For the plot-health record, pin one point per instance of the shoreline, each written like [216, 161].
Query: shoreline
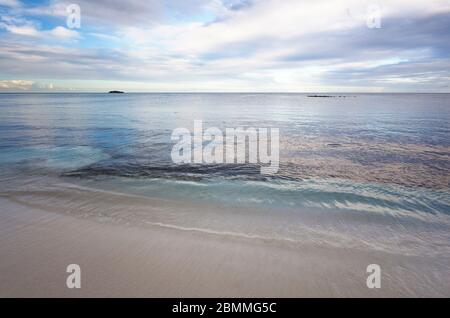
[127, 261]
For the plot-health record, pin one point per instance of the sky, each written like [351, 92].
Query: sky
[225, 46]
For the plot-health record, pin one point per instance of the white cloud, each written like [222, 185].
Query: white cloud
[26, 85]
[104, 36]
[10, 3]
[29, 29]
[62, 33]
[16, 85]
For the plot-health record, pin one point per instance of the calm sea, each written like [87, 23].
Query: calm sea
[364, 169]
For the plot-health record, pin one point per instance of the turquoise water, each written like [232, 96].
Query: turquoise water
[383, 157]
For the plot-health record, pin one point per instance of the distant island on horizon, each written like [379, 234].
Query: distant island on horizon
[115, 92]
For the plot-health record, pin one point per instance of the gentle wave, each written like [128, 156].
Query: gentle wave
[242, 184]
[329, 227]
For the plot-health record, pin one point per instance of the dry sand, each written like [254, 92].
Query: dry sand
[118, 260]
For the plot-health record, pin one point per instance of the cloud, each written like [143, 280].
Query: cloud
[61, 32]
[58, 32]
[25, 85]
[23, 27]
[237, 4]
[235, 44]
[10, 3]
[16, 85]
[112, 13]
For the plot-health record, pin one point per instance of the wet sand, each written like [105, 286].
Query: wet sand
[118, 260]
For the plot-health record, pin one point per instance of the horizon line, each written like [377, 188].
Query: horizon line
[212, 92]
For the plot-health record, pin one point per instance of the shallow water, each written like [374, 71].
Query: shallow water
[370, 169]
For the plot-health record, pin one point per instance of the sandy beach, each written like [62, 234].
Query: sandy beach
[117, 260]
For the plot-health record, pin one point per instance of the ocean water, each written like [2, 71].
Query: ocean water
[364, 170]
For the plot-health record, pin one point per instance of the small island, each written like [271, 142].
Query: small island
[115, 92]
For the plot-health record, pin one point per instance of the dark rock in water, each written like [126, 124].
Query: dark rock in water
[115, 92]
[330, 96]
